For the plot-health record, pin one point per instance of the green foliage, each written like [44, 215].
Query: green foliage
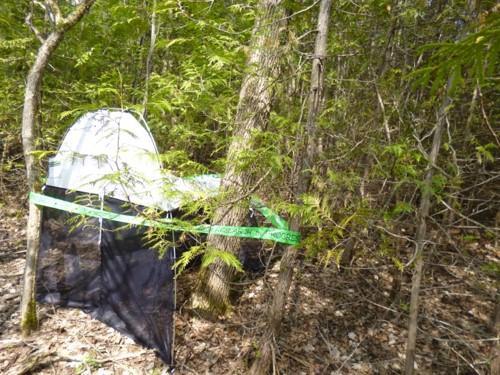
[492, 268]
[343, 180]
[212, 254]
[89, 363]
[484, 154]
[330, 255]
[400, 208]
[404, 161]
[187, 257]
[470, 238]
[398, 264]
[328, 240]
[477, 52]
[208, 256]
[265, 154]
[179, 161]
[438, 183]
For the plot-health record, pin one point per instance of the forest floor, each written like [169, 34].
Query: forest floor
[337, 322]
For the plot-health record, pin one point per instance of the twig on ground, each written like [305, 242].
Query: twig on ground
[465, 360]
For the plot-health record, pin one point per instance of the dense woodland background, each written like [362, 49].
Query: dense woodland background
[394, 71]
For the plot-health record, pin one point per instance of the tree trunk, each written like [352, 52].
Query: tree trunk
[29, 321]
[495, 361]
[155, 29]
[212, 295]
[423, 213]
[304, 161]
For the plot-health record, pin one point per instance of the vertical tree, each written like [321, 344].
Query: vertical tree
[495, 362]
[60, 24]
[454, 68]
[252, 113]
[149, 59]
[421, 235]
[304, 163]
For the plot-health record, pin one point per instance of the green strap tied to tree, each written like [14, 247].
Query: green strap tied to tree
[280, 234]
[269, 214]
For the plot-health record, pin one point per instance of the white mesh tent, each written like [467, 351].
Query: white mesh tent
[108, 159]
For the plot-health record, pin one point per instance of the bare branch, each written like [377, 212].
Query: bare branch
[77, 14]
[485, 117]
[468, 218]
[53, 8]
[40, 4]
[384, 117]
[29, 21]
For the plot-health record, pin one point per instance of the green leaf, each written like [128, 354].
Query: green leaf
[187, 257]
[212, 254]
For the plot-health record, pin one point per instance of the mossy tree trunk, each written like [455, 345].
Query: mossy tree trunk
[304, 161]
[61, 24]
[212, 295]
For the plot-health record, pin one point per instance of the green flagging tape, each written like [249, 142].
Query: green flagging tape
[279, 234]
[269, 214]
[256, 203]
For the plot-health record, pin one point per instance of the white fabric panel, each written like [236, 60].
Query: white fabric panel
[110, 153]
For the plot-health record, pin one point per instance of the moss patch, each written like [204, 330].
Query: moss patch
[29, 322]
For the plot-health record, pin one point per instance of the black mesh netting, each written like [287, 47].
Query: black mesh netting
[111, 273]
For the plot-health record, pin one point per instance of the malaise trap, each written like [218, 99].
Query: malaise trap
[95, 252]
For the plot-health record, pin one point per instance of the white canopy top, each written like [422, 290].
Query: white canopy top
[109, 152]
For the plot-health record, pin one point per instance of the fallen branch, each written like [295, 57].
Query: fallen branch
[9, 344]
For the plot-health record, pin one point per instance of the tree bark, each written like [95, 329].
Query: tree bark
[422, 215]
[212, 295]
[304, 161]
[495, 361]
[155, 29]
[29, 320]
